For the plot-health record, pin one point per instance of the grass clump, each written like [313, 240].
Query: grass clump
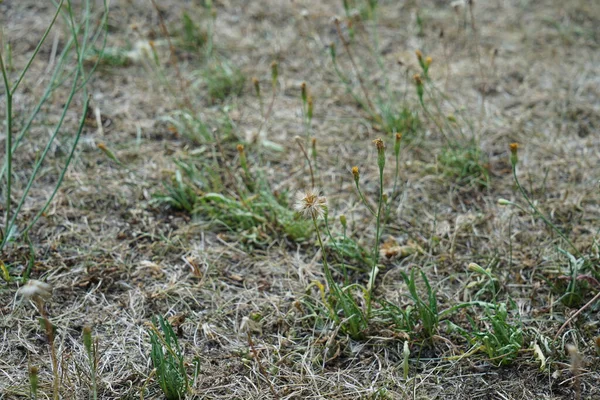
[192, 35]
[400, 120]
[425, 309]
[168, 361]
[190, 125]
[223, 80]
[499, 339]
[237, 203]
[465, 165]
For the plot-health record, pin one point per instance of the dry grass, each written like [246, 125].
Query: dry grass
[528, 73]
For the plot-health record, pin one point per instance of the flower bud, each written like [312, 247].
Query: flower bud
[87, 339]
[397, 144]
[256, 84]
[274, 72]
[343, 221]
[514, 157]
[380, 153]
[356, 174]
[303, 92]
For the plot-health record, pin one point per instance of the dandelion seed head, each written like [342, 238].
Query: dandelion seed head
[34, 288]
[310, 204]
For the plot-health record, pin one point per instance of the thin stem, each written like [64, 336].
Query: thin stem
[38, 47]
[373, 273]
[173, 56]
[542, 216]
[269, 110]
[328, 275]
[358, 75]
[337, 249]
[51, 87]
[262, 369]
[348, 85]
[50, 333]
[93, 371]
[396, 176]
[42, 158]
[8, 151]
[364, 200]
[64, 170]
[572, 317]
[435, 121]
[9, 156]
[312, 176]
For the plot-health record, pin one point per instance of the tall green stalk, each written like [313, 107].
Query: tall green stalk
[354, 321]
[81, 40]
[374, 268]
[8, 151]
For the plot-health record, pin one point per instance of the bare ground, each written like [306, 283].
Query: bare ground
[529, 73]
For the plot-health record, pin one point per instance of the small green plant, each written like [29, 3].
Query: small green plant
[223, 80]
[109, 57]
[399, 120]
[426, 309]
[251, 209]
[503, 341]
[33, 382]
[344, 309]
[342, 299]
[578, 262]
[178, 194]
[486, 283]
[90, 349]
[193, 37]
[577, 285]
[167, 359]
[465, 164]
[387, 111]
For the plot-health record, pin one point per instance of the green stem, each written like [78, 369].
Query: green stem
[92, 359]
[396, 176]
[328, 275]
[373, 273]
[430, 116]
[337, 249]
[38, 47]
[537, 212]
[64, 170]
[51, 87]
[42, 158]
[8, 151]
[9, 156]
[363, 199]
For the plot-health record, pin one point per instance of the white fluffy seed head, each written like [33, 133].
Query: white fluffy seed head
[310, 204]
[34, 288]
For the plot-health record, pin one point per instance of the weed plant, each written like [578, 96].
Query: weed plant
[168, 361]
[500, 339]
[252, 211]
